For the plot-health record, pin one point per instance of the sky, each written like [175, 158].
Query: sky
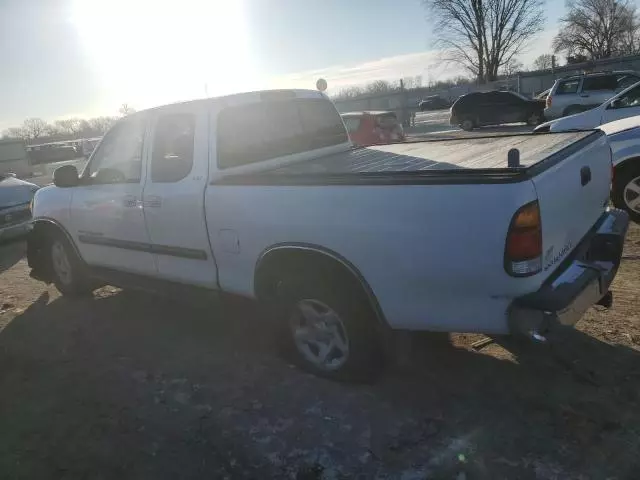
[84, 58]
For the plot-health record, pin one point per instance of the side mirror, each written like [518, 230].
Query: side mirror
[66, 176]
[617, 103]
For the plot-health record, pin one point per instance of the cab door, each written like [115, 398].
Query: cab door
[106, 213]
[173, 195]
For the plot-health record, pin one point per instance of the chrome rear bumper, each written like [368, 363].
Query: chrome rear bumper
[581, 281]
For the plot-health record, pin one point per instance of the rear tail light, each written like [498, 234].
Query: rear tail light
[523, 247]
[548, 101]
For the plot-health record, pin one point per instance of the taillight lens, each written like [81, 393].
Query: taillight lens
[523, 248]
[548, 101]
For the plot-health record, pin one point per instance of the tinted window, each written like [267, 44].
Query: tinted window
[260, 131]
[352, 124]
[118, 159]
[387, 121]
[172, 157]
[603, 82]
[568, 86]
[469, 101]
[625, 81]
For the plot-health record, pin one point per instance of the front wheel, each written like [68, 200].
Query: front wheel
[626, 191]
[329, 330]
[67, 271]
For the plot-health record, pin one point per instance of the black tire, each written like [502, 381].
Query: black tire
[623, 177]
[344, 297]
[77, 282]
[534, 119]
[467, 124]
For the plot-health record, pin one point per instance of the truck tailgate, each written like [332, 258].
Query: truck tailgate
[572, 194]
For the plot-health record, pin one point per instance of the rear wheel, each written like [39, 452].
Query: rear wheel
[67, 271]
[534, 119]
[328, 329]
[467, 124]
[626, 191]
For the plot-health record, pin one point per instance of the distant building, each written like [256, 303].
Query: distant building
[14, 158]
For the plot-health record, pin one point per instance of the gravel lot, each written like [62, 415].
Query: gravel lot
[127, 385]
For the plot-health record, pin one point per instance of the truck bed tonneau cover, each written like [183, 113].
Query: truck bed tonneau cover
[465, 153]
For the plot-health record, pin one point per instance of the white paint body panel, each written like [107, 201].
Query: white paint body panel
[431, 254]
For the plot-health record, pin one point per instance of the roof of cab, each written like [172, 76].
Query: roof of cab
[259, 95]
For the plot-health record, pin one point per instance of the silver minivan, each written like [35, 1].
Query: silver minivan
[578, 93]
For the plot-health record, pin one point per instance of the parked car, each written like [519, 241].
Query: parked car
[15, 208]
[371, 128]
[495, 108]
[624, 138]
[579, 93]
[433, 102]
[270, 201]
[624, 104]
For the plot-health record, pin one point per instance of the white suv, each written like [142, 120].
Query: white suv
[578, 93]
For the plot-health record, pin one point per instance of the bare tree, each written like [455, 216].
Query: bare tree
[380, 86]
[14, 132]
[68, 126]
[598, 29]
[34, 128]
[100, 125]
[512, 67]
[543, 62]
[483, 35]
[126, 109]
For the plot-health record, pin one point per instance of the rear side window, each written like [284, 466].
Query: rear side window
[603, 82]
[467, 101]
[387, 121]
[625, 81]
[568, 86]
[261, 131]
[352, 124]
[173, 141]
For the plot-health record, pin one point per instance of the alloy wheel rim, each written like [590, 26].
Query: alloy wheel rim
[631, 195]
[319, 334]
[60, 261]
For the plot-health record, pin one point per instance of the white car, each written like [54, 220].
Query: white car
[624, 138]
[262, 195]
[623, 105]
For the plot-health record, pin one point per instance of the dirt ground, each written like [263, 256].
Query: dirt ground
[127, 385]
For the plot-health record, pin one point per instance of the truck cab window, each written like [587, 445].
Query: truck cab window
[173, 141]
[261, 131]
[118, 159]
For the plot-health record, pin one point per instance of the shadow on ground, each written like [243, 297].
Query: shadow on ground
[11, 253]
[126, 385]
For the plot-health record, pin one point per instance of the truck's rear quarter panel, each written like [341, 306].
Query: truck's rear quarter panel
[425, 223]
[432, 255]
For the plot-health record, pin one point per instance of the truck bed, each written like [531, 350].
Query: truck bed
[443, 160]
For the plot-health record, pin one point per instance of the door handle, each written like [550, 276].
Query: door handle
[130, 201]
[585, 175]
[152, 201]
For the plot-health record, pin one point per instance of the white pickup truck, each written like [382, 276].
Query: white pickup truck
[262, 195]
